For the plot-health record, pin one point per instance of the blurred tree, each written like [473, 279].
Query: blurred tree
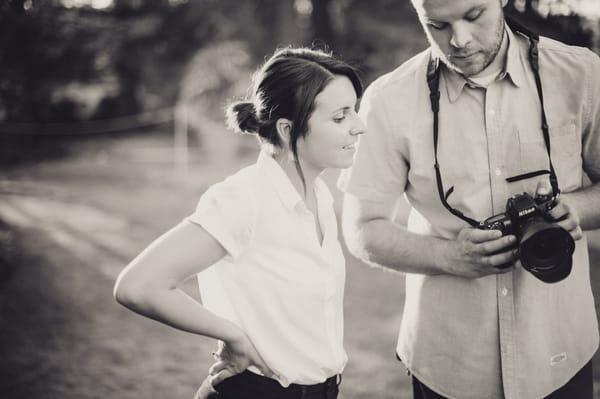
[269, 24]
[566, 25]
[17, 7]
[55, 47]
[322, 25]
[134, 53]
[129, 7]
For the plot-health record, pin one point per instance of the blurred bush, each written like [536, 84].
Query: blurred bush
[64, 64]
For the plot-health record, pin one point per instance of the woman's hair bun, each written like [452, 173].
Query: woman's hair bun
[242, 118]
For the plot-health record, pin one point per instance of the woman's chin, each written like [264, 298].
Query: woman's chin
[344, 163]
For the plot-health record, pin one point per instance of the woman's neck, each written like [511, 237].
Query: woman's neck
[310, 174]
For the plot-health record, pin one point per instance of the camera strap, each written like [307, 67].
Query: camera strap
[433, 81]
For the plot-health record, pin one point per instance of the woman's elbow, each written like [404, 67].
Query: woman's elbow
[129, 292]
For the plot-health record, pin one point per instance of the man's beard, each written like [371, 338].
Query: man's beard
[490, 56]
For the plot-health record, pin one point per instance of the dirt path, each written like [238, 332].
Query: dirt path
[62, 334]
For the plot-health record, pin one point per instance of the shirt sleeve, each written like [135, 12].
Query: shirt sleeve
[227, 212]
[591, 128]
[379, 172]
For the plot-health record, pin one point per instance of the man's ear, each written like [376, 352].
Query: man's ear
[284, 130]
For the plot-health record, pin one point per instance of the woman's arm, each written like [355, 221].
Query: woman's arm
[149, 285]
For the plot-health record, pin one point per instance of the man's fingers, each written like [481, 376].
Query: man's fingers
[567, 219]
[560, 211]
[220, 376]
[478, 236]
[503, 260]
[568, 224]
[497, 245]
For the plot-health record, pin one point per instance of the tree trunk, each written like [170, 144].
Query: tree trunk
[321, 23]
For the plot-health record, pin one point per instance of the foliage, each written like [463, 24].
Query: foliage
[69, 64]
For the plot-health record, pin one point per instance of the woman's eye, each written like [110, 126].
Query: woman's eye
[437, 25]
[339, 119]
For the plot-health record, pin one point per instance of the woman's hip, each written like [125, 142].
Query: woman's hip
[248, 385]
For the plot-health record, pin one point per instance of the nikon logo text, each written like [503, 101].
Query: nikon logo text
[526, 211]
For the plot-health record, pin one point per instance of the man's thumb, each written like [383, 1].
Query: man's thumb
[543, 188]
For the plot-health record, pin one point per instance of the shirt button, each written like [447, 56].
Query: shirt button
[492, 112]
[504, 291]
[498, 172]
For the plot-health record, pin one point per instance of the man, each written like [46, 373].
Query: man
[476, 324]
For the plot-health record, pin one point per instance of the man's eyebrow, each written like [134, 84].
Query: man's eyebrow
[475, 8]
[470, 11]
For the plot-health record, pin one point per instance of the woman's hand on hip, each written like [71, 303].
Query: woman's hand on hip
[234, 357]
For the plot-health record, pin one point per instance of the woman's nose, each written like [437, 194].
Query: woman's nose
[358, 128]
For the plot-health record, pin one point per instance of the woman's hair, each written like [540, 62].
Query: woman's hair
[286, 87]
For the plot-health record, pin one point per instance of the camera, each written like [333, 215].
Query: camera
[545, 248]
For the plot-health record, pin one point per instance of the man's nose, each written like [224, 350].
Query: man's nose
[461, 35]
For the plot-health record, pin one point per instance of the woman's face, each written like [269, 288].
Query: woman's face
[333, 128]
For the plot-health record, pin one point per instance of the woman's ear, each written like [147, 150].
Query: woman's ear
[284, 131]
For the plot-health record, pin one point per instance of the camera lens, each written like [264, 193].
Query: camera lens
[542, 249]
[546, 250]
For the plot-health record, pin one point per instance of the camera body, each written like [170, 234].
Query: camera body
[520, 208]
[545, 249]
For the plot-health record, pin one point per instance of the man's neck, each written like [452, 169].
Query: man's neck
[492, 71]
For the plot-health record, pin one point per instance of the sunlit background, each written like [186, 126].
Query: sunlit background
[111, 127]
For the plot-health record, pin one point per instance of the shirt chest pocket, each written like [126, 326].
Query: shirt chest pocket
[565, 143]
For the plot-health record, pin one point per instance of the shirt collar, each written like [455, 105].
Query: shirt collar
[513, 69]
[515, 62]
[279, 180]
[284, 187]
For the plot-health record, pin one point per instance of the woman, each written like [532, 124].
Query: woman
[274, 296]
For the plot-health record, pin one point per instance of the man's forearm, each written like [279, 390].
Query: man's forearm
[586, 202]
[400, 250]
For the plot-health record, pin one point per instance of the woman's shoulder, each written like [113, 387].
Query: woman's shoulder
[241, 183]
[233, 198]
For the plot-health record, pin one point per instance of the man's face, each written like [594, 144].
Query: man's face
[467, 34]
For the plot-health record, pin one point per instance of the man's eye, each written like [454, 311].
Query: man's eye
[474, 16]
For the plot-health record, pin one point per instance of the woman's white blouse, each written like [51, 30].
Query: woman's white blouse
[278, 283]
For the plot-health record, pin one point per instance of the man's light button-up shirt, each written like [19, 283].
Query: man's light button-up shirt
[452, 328]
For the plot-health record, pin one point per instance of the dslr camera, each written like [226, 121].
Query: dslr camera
[545, 248]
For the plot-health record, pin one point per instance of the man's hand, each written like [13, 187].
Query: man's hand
[476, 253]
[563, 214]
